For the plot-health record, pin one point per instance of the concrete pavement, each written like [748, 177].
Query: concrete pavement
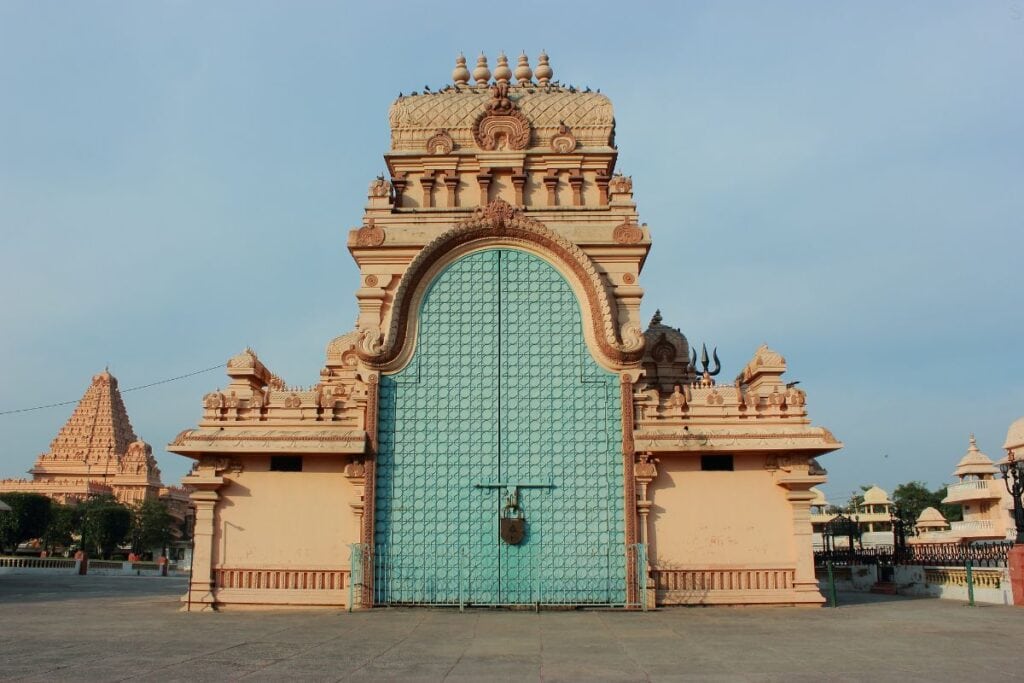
[129, 628]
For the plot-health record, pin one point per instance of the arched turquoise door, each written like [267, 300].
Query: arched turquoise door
[501, 392]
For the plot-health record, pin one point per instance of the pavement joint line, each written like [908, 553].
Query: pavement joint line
[618, 641]
[383, 652]
[472, 639]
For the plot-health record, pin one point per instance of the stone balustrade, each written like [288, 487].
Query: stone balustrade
[974, 525]
[281, 579]
[701, 580]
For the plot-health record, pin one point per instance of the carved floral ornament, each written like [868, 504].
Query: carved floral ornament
[440, 143]
[370, 235]
[563, 141]
[628, 232]
[501, 125]
[380, 187]
[500, 220]
[620, 184]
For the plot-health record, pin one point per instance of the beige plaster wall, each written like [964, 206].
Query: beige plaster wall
[296, 520]
[719, 519]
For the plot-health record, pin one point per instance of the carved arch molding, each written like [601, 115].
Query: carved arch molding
[501, 224]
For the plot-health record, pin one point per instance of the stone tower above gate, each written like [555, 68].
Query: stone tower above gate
[520, 146]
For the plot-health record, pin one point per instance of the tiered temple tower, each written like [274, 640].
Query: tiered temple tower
[97, 452]
[499, 427]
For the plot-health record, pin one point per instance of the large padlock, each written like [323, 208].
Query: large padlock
[512, 525]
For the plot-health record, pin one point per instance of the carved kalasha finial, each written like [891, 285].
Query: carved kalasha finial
[481, 73]
[544, 71]
[461, 74]
[502, 74]
[656, 319]
[523, 71]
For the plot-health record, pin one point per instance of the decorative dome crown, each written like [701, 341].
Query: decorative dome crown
[930, 514]
[547, 106]
[876, 496]
[974, 461]
[1015, 435]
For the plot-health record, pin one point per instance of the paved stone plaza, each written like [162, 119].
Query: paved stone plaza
[114, 628]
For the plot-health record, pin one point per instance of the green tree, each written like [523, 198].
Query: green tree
[29, 516]
[951, 511]
[64, 524]
[106, 524]
[914, 496]
[151, 526]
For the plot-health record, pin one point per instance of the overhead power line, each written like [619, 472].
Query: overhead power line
[123, 391]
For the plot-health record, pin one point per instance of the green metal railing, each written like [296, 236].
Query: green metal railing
[443, 575]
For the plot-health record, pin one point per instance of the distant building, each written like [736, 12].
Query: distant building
[930, 521]
[873, 517]
[96, 452]
[983, 498]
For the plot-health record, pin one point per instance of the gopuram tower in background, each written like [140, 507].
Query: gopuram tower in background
[499, 428]
[96, 452]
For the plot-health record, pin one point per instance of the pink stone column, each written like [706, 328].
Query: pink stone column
[804, 580]
[1015, 562]
[201, 586]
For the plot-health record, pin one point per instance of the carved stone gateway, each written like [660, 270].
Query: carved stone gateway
[498, 428]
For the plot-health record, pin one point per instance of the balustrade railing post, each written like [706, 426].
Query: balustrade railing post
[970, 583]
[831, 584]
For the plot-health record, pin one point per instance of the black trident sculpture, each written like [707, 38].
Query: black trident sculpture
[704, 361]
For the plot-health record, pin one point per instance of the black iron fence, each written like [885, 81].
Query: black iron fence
[927, 554]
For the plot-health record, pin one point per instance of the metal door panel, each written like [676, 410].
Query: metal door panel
[501, 389]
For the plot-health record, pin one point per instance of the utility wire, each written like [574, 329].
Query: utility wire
[123, 391]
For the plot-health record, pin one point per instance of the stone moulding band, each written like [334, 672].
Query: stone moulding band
[500, 221]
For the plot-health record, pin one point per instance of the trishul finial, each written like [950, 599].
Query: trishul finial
[705, 362]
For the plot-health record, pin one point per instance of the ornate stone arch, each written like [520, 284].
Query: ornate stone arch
[499, 224]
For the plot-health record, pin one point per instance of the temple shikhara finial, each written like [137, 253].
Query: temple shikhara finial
[500, 403]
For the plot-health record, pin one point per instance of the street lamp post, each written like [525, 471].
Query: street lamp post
[1013, 479]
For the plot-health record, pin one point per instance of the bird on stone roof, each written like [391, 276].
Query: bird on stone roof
[426, 88]
[587, 89]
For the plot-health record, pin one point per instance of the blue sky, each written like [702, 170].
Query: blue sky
[842, 181]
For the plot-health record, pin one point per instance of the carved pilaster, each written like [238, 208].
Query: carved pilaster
[602, 187]
[795, 474]
[576, 183]
[645, 471]
[484, 178]
[370, 488]
[200, 595]
[551, 183]
[451, 183]
[629, 484]
[427, 183]
[399, 182]
[519, 183]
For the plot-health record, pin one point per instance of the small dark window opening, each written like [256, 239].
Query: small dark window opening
[716, 463]
[286, 463]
